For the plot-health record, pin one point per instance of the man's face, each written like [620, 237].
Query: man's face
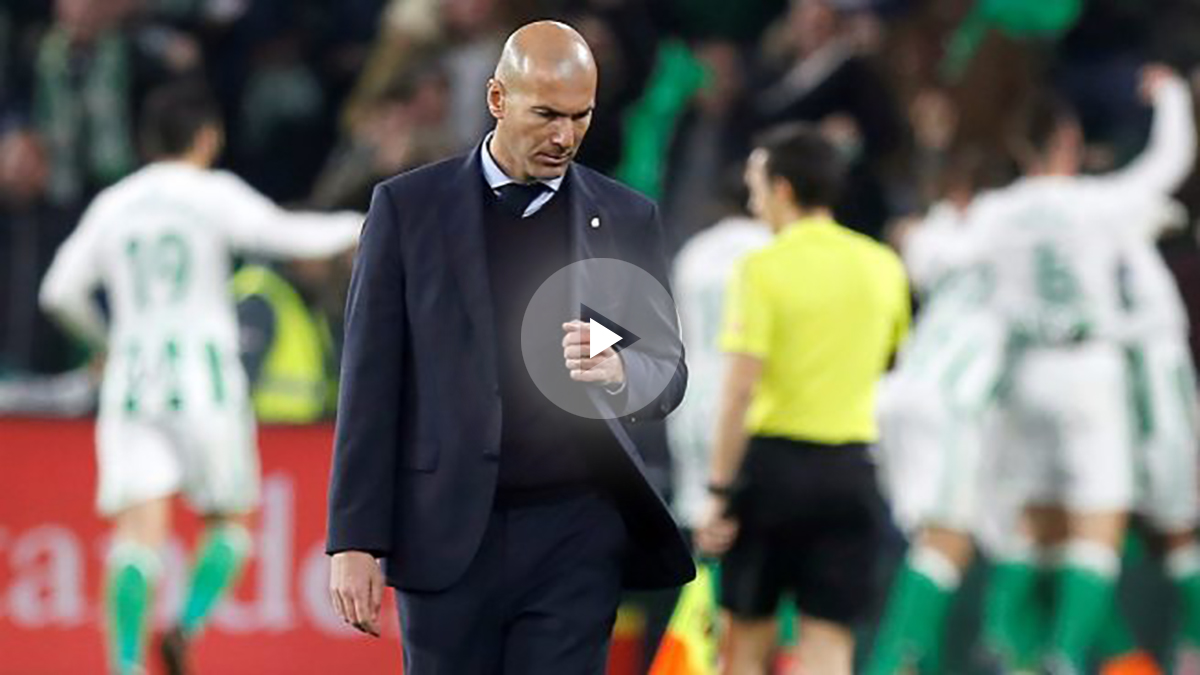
[813, 22]
[75, 15]
[83, 19]
[541, 123]
[23, 167]
[759, 184]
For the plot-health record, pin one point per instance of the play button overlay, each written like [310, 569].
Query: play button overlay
[625, 308]
[605, 332]
[602, 338]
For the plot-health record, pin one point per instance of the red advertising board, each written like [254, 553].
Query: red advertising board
[278, 620]
[51, 564]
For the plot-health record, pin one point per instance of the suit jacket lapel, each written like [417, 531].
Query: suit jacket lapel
[462, 226]
[590, 238]
[586, 241]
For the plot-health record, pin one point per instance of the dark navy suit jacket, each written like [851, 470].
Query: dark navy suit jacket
[418, 431]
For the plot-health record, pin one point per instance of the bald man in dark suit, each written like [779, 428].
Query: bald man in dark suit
[508, 525]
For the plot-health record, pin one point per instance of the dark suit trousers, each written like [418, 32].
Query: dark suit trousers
[540, 597]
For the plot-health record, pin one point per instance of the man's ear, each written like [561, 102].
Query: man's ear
[495, 98]
[782, 190]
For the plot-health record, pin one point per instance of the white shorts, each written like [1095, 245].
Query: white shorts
[211, 458]
[1064, 430]
[1163, 391]
[997, 527]
[931, 414]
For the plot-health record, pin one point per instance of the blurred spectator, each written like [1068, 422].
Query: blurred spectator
[92, 65]
[462, 37]
[709, 140]
[652, 121]
[1027, 21]
[826, 70]
[404, 128]
[625, 37]
[282, 99]
[31, 228]
[826, 75]
[287, 342]
[406, 26]
[476, 35]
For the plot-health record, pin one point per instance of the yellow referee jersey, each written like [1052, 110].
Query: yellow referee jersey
[824, 308]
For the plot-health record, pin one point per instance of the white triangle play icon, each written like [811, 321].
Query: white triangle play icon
[601, 338]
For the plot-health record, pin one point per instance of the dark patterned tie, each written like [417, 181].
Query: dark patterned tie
[516, 197]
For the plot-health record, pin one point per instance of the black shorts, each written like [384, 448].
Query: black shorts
[811, 524]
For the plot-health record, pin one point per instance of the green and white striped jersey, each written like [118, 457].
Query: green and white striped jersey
[159, 245]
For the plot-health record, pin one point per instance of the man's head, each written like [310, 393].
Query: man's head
[793, 172]
[723, 62]
[24, 167]
[79, 18]
[542, 96]
[813, 23]
[181, 121]
[83, 20]
[1046, 137]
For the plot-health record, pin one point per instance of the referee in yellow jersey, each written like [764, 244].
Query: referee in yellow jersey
[811, 322]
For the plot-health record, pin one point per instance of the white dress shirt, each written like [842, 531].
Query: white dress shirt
[496, 179]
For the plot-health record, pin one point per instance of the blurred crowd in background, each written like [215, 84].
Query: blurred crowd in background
[324, 98]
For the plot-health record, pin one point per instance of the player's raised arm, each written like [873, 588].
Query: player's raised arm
[66, 291]
[1168, 158]
[256, 224]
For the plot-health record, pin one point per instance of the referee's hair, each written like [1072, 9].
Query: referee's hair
[809, 162]
[173, 115]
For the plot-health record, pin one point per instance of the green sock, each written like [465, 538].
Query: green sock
[911, 630]
[1084, 587]
[789, 621]
[1115, 639]
[1183, 567]
[132, 570]
[218, 564]
[1013, 621]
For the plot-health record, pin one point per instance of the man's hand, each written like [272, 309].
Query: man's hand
[606, 368]
[356, 587]
[717, 531]
[1153, 78]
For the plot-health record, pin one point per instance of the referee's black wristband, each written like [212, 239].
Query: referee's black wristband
[720, 490]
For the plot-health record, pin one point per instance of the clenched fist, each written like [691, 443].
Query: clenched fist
[605, 368]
